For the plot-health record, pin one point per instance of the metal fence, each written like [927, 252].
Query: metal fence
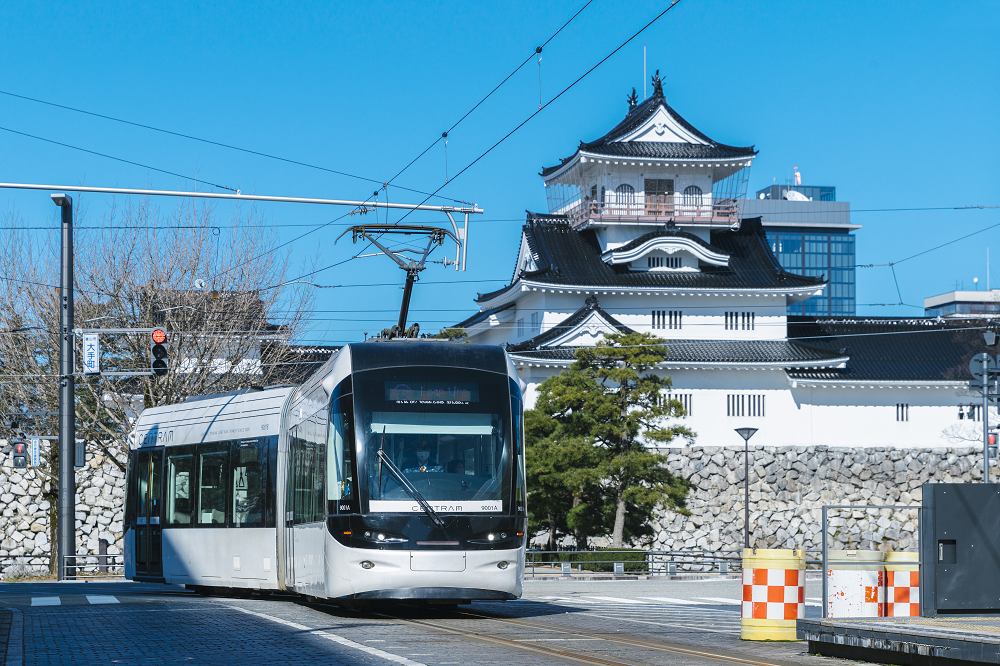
[630, 562]
[75, 566]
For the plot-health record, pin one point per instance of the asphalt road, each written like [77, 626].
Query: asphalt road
[557, 621]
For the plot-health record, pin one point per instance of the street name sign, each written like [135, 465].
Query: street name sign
[91, 354]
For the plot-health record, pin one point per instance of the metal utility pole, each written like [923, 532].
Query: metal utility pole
[986, 418]
[67, 408]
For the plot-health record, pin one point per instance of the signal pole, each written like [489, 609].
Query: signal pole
[67, 409]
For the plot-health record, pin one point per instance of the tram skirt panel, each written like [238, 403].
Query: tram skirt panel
[774, 593]
[855, 590]
[902, 585]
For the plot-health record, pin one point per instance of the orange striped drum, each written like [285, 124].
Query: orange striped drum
[902, 585]
[774, 593]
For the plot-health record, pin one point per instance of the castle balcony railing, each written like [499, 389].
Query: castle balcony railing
[656, 210]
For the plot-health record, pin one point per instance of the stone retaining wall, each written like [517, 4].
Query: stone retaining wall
[790, 485]
[24, 512]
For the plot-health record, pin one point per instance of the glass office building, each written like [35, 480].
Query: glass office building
[811, 238]
[829, 255]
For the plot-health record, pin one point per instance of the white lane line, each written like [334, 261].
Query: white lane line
[671, 600]
[723, 600]
[95, 599]
[616, 600]
[568, 600]
[336, 639]
[45, 601]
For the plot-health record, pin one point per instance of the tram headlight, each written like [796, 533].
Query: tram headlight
[381, 537]
[491, 537]
[367, 564]
[503, 565]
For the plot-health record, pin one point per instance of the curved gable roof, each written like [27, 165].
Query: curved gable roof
[613, 145]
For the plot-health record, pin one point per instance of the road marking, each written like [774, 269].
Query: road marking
[335, 638]
[616, 600]
[45, 601]
[671, 600]
[96, 599]
[723, 600]
[566, 599]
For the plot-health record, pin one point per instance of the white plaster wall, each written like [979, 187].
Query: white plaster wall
[839, 417]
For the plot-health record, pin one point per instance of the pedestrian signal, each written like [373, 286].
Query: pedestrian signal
[158, 352]
[20, 455]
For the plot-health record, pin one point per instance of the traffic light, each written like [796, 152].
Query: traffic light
[158, 352]
[20, 455]
[991, 446]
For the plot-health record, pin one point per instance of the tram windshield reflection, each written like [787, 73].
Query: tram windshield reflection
[448, 439]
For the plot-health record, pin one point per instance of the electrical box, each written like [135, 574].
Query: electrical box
[960, 549]
[79, 454]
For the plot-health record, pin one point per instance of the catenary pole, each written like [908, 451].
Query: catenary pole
[67, 409]
[986, 419]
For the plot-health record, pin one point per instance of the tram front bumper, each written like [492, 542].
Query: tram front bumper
[433, 574]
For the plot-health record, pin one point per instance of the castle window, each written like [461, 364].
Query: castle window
[520, 327]
[667, 319]
[902, 411]
[745, 404]
[536, 323]
[660, 262]
[740, 321]
[692, 196]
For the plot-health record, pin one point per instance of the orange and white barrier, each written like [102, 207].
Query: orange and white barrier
[774, 593]
[856, 585]
[902, 585]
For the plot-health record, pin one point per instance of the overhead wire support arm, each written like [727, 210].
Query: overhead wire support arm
[239, 196]
[435, 237]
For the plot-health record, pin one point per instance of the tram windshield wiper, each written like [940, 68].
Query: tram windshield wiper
[408, 487]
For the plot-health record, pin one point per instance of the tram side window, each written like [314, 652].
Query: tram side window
[131, 493]
[309, 468]
[249, 472]
[212, 488]
[339, 469]
[179, 489]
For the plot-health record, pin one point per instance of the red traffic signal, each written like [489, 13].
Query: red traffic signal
[158, 363]
[20, 455]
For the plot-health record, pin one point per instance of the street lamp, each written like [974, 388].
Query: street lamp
[746, 434]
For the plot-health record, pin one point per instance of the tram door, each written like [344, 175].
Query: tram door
[149, 528]
[290, 513]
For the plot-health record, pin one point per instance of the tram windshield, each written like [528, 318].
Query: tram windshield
[446, 431]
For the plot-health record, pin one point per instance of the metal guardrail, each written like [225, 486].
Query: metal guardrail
[85, 566]
[74, 566]
[626, 562]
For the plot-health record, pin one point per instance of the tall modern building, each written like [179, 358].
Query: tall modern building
[810, 233]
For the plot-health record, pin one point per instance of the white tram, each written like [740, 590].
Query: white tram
[395, 472]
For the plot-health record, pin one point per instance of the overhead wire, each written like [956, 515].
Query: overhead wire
[195, 138]
[119, 159]
[551, 101]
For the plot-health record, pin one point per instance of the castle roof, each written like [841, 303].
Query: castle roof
[567, 257]
[653, 130]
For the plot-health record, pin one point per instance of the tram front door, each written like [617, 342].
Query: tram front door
[149, 528]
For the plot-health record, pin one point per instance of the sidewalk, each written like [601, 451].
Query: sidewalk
[906, 640]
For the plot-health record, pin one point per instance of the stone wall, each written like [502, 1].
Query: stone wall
[790, 485]
[24, 512]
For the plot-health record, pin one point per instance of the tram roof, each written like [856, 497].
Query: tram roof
[212, 418]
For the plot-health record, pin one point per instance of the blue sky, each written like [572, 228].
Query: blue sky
[894, 103]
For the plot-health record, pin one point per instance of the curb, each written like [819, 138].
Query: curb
[15, 639]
